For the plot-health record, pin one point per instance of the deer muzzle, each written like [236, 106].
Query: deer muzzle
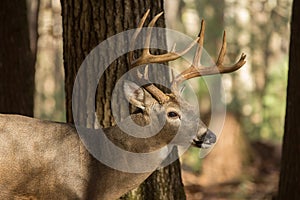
[206, 140]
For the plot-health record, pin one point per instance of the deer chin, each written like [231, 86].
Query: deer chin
[205, 141]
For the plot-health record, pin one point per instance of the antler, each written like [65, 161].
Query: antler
[195, 70]
[198, 70]
[147, 58]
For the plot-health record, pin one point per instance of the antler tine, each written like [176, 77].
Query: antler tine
[198, 54]
[146, 50]
[136, 33]
[222, 50]
[197, 70]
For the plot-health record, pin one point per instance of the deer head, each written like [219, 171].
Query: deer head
[170, 107]
[171, 114]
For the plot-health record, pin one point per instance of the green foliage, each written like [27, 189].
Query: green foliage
[191, 160]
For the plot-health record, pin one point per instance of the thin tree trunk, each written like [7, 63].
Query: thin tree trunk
[289, 183]
[85, 25]
[16, 59]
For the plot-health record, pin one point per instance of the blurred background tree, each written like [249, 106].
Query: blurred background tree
[255, 96]
[49, 78]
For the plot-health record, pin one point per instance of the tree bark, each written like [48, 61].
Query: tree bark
[16, 60]
[85, 25]
[289, 183]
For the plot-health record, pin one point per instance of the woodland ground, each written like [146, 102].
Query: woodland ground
[259, 180]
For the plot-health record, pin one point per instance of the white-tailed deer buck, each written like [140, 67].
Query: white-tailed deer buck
[47, 160]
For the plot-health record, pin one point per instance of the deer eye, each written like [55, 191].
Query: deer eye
[173, 114]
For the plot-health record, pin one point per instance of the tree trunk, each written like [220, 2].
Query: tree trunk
[85, 25]
[16, 59]
[289, 183]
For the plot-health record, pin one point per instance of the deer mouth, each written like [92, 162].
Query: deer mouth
[205, 141]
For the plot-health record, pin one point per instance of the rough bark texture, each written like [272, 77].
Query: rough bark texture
[16, 59]
[85, 25]
[165, 183]
[290, 168]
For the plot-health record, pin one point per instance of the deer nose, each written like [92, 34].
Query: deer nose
[210, 137]
[206, 140]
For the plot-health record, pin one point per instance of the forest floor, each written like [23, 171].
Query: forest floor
[258, 182]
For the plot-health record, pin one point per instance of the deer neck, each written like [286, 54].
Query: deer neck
[138, 144]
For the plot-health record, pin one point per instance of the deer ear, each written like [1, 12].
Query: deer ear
[135, 94]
